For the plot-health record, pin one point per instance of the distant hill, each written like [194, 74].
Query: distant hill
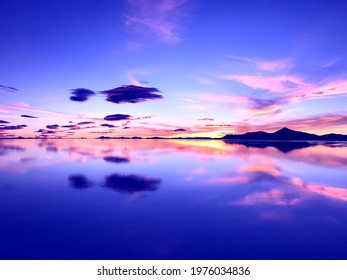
[285, 134]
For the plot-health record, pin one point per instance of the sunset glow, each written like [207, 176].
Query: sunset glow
[172, 68]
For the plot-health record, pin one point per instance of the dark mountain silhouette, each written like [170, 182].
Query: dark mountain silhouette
[285, 134]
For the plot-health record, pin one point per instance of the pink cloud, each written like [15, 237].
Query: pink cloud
[319, 124]
[276, 65]
[264, 65]
[269, 110]
[336, 87]
[269, 83]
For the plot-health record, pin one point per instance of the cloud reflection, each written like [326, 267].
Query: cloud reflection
[131, 183]
[79, 181]
[114, 159]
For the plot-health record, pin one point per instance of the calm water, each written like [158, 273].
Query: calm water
[164, 199]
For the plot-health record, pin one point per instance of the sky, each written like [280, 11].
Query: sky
[171, 68]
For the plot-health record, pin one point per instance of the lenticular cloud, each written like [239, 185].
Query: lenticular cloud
[123, 94]
[131, 94]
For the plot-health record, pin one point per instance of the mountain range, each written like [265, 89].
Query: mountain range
[285, 134]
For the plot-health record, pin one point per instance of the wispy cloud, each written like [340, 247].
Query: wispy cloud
[205, 80]
[28, 116]
[133, 76]
[255, 106]
[330, 88]
[7, 88]
[26, 107]
[157, 18]
[326, 123]
[264, 65]
[281, 83]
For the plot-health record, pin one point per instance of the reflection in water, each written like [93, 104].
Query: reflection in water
[79, 181]
[51, 149]
[205, 199]
[131, 183]
[4, 147]
[26, 159]
[283, 146]
[116, 159]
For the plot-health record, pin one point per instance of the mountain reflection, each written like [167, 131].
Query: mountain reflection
[131, 183]
[283, 146]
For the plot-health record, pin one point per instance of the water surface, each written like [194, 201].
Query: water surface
[166, 199]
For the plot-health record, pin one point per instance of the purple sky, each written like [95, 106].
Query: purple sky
[171, 67]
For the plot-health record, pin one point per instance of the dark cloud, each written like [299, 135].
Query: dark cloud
[7, 88]
[267, 106]
[81, 94]
[82, 123]
[265, 103]
[180, 129]
[117, 117]
[79, 181]
[140, 118]
[107, 125]
[45, 131]
[131, 94]
[123, 94]
[126, 123]
[52, 126]
[13, 127]
[218, 125]
[206, 119]
[126, 127]
[72, 126]
[131, 183]
[101, 132]
[116, 159]
[30, 117]
[1, 121]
